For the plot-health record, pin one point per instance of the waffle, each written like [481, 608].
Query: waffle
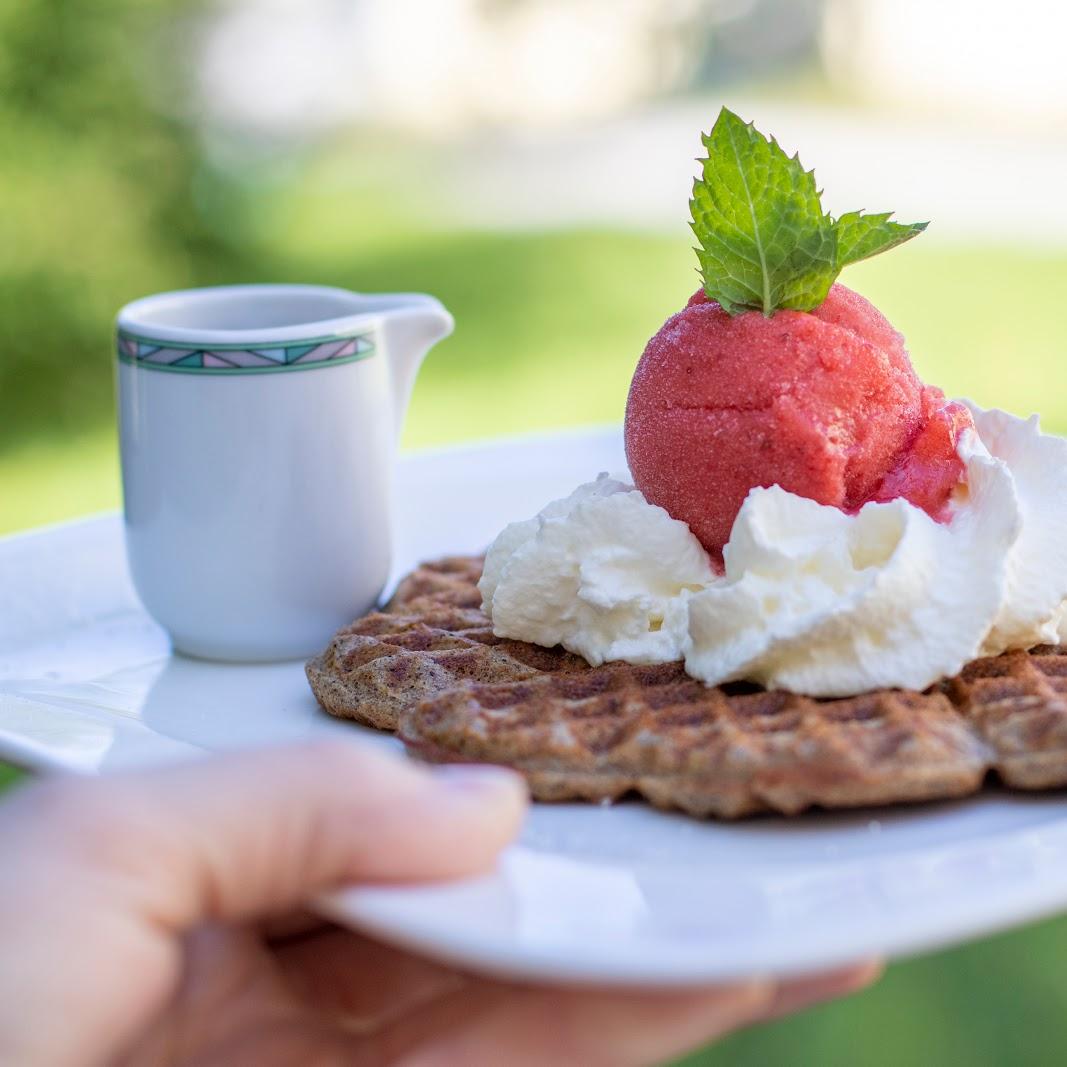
[452, 580]
[389, 661]
[1017, 704]
[724, 751]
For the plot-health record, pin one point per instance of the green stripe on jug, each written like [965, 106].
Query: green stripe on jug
[213, 372]
[363, 337]
[233, 358]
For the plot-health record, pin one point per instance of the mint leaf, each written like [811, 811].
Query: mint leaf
[860, 236]
[765, 242]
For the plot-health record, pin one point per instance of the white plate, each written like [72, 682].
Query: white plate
[611, 894]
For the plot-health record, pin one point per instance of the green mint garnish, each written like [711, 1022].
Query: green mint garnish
[861, 236]
[765, 241]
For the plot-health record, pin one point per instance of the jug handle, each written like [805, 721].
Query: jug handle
[410, 330]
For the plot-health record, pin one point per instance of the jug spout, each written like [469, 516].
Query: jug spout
[412, 326]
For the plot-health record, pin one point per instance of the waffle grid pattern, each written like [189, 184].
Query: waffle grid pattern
[388, 661]
[452, 581]
[725, 751]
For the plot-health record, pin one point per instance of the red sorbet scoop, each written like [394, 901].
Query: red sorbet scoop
[823, 403]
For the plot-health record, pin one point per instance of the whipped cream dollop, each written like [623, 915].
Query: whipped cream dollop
[601, 572]
[1035, 602]
[812, 599]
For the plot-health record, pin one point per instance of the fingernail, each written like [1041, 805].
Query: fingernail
[478, 778]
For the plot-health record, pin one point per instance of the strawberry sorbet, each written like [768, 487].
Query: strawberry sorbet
[823, 403]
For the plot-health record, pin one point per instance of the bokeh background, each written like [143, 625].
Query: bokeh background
[528, 161]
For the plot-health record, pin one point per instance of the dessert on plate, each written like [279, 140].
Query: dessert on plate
[820, 583]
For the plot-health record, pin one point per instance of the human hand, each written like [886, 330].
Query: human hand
[155, 917]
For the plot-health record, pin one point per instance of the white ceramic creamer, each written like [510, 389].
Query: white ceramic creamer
[258, 427]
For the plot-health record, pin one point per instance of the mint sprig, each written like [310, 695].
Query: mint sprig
[765, 241]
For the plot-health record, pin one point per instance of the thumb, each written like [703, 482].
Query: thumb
[111, 872]
[248, 835]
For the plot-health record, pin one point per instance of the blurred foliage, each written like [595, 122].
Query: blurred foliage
[108, 194]
[99, 196]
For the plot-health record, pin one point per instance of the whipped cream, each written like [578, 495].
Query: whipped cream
[601, 572]
[812, 599]
[1033, 609]
[821, 602]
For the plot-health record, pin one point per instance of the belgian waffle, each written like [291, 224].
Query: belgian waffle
[391, 660]
[1017, 704]
[452, 580]
[725, 751]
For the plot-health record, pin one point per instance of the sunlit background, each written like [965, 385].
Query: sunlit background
[528, 161]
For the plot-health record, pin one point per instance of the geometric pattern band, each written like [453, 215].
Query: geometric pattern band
[238, 359]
